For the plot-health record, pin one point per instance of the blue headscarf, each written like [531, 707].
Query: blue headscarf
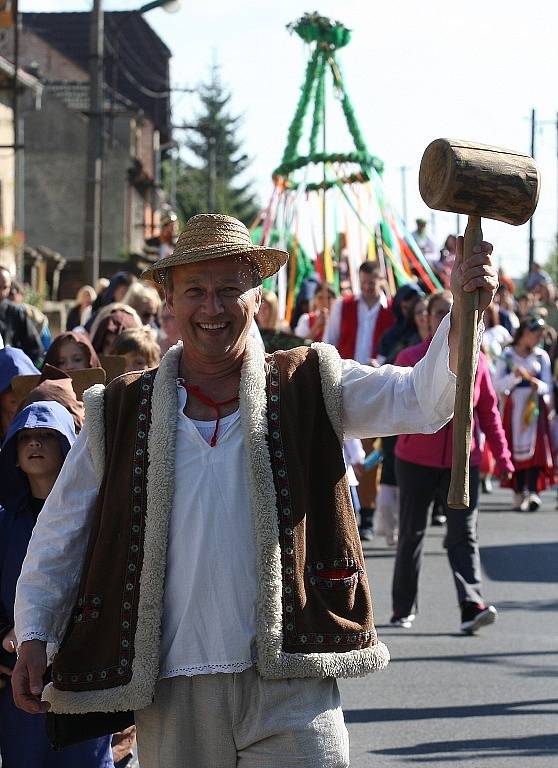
[42, 415]
[14, 362]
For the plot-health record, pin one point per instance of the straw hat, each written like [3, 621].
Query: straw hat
[81, 380]
[213, 236]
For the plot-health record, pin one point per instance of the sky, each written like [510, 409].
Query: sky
[415, 71]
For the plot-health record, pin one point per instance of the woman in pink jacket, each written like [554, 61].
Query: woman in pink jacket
[423, 466]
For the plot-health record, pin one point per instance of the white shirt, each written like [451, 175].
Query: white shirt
[214, 512]
[353, 453]
[209, 615]
[366, 324]
[424, 243]
[494, 340]
[303, 326]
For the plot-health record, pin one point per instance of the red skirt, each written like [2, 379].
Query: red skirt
[488, 464]
[542, 457]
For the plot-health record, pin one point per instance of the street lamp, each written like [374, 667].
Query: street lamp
[94, 177]
[171, 6]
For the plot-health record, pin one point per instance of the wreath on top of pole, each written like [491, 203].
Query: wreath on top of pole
[329, 209]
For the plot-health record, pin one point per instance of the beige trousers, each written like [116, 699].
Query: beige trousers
[229, 720]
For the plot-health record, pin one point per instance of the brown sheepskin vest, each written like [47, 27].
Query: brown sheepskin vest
[314, 612]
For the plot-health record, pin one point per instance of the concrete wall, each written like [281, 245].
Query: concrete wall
[55, 174]
[34, 52]
[7, 169]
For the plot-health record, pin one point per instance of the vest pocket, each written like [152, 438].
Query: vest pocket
[335, 616]
[340, 574]
[333, 586]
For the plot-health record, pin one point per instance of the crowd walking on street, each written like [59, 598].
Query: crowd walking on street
[182, 351]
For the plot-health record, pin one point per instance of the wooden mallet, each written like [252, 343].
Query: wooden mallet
[480, 181]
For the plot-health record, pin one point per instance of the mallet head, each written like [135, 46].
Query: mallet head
[479, 180]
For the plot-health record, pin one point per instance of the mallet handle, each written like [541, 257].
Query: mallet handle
[458, 495]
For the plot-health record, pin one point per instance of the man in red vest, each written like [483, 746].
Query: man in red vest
[356, 323]
[355, 326]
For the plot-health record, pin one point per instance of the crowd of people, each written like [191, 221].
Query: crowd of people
[123, 325]
[404, 476]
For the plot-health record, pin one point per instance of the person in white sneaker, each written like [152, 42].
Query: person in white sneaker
[198, 562]
[423, 468]
[523, 376]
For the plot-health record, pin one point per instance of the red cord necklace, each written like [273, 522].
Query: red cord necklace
[192, 389]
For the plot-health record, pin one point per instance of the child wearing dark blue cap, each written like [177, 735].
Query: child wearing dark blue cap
[32, 455]
[13, 362]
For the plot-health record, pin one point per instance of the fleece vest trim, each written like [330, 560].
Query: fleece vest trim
[138, 691]
[93, 400]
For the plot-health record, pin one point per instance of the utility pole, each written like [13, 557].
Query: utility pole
[94, 169]
[404, 169]
[173, 172]
[555, 275]
[531, 229]
[19, 206]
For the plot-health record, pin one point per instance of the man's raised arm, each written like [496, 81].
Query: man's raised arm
[391, 400]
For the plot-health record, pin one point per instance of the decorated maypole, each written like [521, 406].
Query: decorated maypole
[328, 208]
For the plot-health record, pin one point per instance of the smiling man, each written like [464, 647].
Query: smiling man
[206, 571]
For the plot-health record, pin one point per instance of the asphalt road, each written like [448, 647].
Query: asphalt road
[489, 700]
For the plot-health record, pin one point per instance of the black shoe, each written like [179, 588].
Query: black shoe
[534, 502]
[366, 528]
[366, 533]
[476, 615]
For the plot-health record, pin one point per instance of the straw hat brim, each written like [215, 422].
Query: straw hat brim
[81, 379]
[268, 260]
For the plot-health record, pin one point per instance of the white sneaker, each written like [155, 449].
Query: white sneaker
[406, 622]
[534, 502]
[517, 501]
[524, 506]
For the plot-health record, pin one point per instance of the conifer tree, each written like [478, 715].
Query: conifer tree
[210, 181]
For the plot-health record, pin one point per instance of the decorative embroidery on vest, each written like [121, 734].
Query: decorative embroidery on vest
[284, 506]
[123, 670]
[88, 608]
[356, 640]
[139, 499]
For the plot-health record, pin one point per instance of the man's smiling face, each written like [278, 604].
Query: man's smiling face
[214, 303]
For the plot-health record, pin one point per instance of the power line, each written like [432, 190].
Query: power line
[132, 79]
[145, 89]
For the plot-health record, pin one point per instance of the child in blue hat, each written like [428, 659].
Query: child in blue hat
[13, 362]
[36, 444]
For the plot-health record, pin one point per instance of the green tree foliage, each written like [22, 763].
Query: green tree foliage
[210, 181]
[551, 265]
